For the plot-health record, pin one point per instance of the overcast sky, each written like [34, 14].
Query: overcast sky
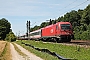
[17, 12]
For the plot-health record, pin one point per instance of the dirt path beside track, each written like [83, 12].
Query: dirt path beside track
[16, 56]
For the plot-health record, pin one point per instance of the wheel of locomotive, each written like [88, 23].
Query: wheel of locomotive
[69, 40]
[43, 39]
[59, 40]
[54, 40]
[47, 39]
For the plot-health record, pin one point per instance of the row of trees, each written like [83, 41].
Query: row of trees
[5, 31]
[80, 21]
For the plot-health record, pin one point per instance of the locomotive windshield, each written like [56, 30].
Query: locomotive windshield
[65, 26]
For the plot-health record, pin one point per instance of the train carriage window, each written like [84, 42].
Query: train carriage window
[36, 33]
[39, 32]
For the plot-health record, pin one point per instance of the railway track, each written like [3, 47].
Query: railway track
[81, 43]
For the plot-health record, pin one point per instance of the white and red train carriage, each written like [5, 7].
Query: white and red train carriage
[35, 34]
[60, 32]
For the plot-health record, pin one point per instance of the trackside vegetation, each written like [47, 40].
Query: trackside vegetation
[74, 52]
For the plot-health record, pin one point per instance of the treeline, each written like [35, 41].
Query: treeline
[5, 31]
[80, 21]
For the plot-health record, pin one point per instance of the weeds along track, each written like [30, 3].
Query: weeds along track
[77, 42]
[80, 43]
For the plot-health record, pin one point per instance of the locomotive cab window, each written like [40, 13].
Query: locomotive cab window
[65, 26]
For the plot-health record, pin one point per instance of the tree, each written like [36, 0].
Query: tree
[36, 27]
[86, 15]
[44, 24]
[60, 19]
[10, 37]
[4, 28]
[54, 21]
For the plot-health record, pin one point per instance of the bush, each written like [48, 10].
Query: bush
[10, 37]
[85, 35]
[77, 35]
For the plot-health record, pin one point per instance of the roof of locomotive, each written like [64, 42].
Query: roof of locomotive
[63, 23]
[50, 26]
[56, 24]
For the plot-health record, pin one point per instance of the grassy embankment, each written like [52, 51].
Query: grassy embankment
[75, 52]
[5, 50]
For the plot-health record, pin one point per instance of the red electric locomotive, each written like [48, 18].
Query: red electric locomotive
[60, 32]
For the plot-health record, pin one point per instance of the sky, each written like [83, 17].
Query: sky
[18, 12]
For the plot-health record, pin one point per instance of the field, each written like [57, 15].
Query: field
[4, 51]
[74, 52]
[2, 46]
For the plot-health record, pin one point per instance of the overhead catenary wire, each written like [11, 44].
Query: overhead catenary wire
[80, 4]
[68, 5]
[75, 6]
[61, 9]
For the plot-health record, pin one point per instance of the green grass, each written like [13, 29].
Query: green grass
[43, 55]
[74, 52]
